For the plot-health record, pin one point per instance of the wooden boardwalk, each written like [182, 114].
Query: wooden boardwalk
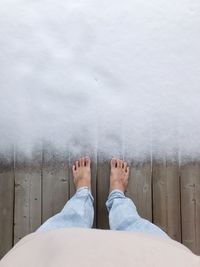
[34, 189]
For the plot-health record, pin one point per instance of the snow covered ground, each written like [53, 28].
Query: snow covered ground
[117, 76]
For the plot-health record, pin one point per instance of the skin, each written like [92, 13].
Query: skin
[119, 174]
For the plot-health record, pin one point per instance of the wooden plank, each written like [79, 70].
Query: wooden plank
[6, 202]
[27, 194]
[190, 205]
[114, 150]
[55, 181]
[72, 188]
[166, 197]
[103, 178]
[139, 188]
[94, 187]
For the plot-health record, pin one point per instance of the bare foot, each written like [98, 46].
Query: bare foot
[119, 175]
[82, 172]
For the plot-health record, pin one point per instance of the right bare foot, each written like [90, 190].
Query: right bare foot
[82, 173]
[119, 175]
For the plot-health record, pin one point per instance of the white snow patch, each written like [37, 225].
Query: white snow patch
[117, 77]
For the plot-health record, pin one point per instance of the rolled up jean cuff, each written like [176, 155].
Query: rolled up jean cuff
[84, 191]
[116, 192]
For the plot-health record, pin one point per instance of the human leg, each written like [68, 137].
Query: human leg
[123, 214]
[78, 211]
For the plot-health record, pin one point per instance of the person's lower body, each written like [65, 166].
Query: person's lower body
[123, 216]
[79, 212]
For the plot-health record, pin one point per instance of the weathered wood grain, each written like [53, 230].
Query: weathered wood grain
[94, 187]
[72, 188]
[139, 188]
[55, 181]
[27, 194]
[103, 175]
[34, 188]
[166, 197]
[190, 205]
[6, 202]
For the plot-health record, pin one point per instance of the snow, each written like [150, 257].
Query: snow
[115, 77]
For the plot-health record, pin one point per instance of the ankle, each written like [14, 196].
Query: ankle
[117, 185]
[83, 184]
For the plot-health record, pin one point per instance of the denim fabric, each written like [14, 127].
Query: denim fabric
[123, 216]
[79, 212]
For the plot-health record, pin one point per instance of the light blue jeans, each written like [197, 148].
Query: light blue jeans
[79, 212]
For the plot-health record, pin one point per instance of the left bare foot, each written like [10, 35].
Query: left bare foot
[82, 172]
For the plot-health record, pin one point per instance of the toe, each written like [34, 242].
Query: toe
[87, 161]
[113, 163]
[73, 168]
[82, 162]
[120, 163]
[77, 164]
[125, 165]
